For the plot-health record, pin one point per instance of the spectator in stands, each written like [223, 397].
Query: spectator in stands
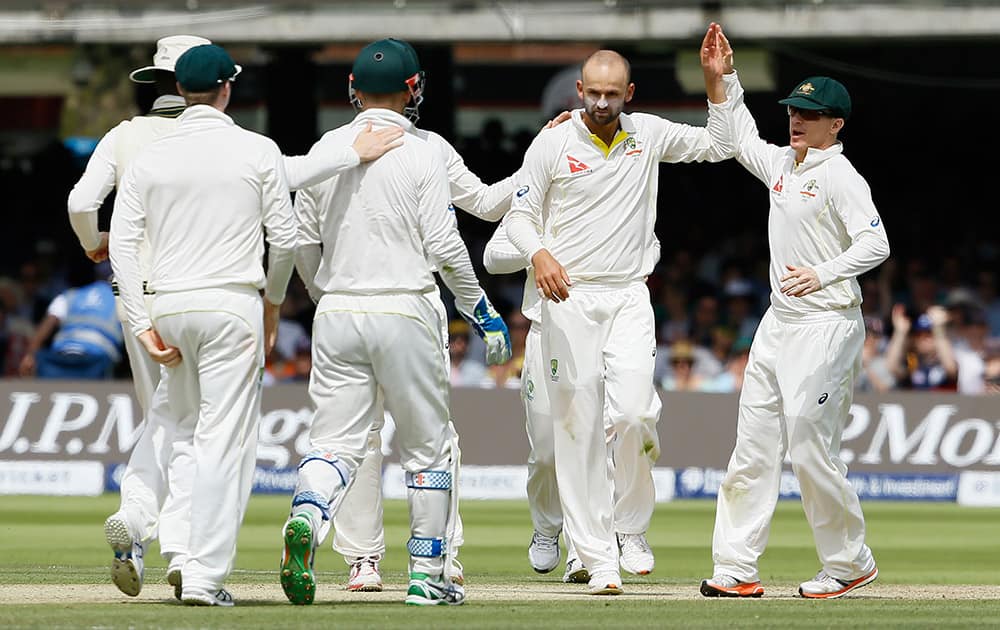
[730, 380]
[875, 375]
[464, 371]
[15, 329]
[991, 367]
[509, 374]
[674, 320]
[682, 376]
[89, 338]
[989, 296]
[704, 318]
[922, 358]
[741, 309]
[969, 335]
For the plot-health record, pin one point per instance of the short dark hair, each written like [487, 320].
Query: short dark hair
[202, 98]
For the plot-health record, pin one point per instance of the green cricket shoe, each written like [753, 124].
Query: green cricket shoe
[433, 591]
[297, 578]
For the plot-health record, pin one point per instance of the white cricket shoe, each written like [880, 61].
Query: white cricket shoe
[543, 552]
[605, 583]
[720, 585]
[365, 575]
[575, 573]
[457, 572]
[127, 567]
[193, 597]
[636, 556]
[825, 586]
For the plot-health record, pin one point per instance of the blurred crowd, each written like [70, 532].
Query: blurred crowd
[933, 321]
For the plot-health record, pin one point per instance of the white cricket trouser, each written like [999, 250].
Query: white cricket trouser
[151, 504]
[598, 349]
[362, 344]
[796, 397]
[632, 474]
[214, 394]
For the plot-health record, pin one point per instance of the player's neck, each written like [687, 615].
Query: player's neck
[605, 132]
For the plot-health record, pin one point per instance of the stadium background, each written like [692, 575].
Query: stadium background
[922, 76]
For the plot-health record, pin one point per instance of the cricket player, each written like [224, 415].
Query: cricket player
[632, 471]
[823, 232]
[357, 525]
[583, 215]
[144, 485]
[370, 239]
[205, 197]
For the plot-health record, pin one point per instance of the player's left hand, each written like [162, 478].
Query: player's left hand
[99, 253]
[799, 281]
[716, 53]
[492, 329]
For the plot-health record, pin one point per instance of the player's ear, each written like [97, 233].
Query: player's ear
[579, 88]
[629, 91]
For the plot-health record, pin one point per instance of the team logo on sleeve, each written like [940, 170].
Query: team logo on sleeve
[576, 166]
[779, 185]
[554, 367]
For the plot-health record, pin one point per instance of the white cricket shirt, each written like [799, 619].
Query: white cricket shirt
[822, 215]
[593, 206]
[384, 225]
[201, 195]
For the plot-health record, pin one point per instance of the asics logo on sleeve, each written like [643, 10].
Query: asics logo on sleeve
[523, 191]
[822, 399]
[876, 221]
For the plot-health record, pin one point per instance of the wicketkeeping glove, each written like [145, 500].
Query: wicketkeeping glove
[491, 328]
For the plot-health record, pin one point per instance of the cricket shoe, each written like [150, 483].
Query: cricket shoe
[433, 591]
[605, 583]
[825, 586]
[204, 598]
[457, 572]
[127, 566]
[543, 552]
[297, 577]
[636, 557]
[365, 576]
[576, 573]
[174, 579]
[728, 586]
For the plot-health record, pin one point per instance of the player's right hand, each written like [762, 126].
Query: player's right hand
[371, 145]
[159, 351]
[99, 253]
[272, 316]
[491, 328]
[550, 277]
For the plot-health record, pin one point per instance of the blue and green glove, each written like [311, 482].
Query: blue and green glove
[490, 327]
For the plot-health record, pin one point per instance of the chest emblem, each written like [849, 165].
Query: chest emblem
[810, 189]
[631, 147]
[575, 165]
[779, 185]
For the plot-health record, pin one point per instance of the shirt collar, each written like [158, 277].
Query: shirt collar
[626, 128]
[168, 106]
[818, 156]
[385, 116]
[204, 113]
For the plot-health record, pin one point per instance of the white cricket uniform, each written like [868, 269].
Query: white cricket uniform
[383, 229]
[799, 381]
[593, 207]
[358, 528]
[632, 472]
[203, 197]
[144, 487]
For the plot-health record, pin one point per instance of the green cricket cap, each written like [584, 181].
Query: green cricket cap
[204, 68]
[385, 66]
[821, 93]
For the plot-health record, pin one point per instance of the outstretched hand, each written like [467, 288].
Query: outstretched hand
[716, 53]
[371, 145]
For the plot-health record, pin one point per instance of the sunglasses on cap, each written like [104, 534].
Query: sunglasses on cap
[808, 114]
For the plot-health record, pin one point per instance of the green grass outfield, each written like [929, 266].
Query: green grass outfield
[939, 567]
